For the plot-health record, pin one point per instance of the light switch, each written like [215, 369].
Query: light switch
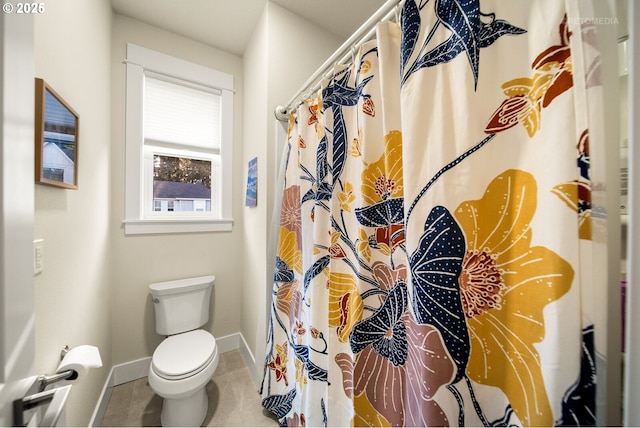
[38, 256]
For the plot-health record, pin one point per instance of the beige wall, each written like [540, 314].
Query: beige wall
[73, 295]
[144, 259]
[255, 230]
[283, 52]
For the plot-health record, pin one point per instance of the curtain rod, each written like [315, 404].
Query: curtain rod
[342, 54]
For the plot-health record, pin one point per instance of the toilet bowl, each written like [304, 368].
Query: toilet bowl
[181, 367]
[185, 360]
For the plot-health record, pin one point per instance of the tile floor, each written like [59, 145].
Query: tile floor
[233, 400]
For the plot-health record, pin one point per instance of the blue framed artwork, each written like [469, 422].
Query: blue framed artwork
[252, 184]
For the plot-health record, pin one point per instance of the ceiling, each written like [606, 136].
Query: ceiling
[228, 24]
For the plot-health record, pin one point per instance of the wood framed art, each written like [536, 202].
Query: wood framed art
[56, 139]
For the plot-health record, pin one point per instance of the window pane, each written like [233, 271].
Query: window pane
[181, 114]
[182, 183]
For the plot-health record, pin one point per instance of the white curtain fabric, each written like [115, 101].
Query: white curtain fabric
[434, 255]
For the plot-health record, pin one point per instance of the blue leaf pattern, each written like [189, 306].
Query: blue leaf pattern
[462, 18]
[322, 164]
[283, 273]
[489, 33]
[435, 268]
[301, 352]
[410, 22]
[280, 405]
[468, 33]
[441, 54]
[315, 270]
[579, 404]
[384, 213]
[339, 144]
[316, 372]
[384, 330]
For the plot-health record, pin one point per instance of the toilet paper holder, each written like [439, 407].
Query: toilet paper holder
[46, 380]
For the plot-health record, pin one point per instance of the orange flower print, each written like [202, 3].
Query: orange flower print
[527, 96]
[399, 365]
[313, 111]
[288, 300]
[279, 363]
[335, 250]
[369, 108]
[290, 214]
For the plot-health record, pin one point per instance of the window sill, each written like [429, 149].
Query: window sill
[165, 226]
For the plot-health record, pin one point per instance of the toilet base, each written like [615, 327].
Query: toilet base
[185, 412]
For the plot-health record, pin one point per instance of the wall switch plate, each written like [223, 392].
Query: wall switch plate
[38, 256]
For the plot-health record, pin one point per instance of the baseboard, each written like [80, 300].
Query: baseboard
[137, 369]
[103, 402]
[250, 361]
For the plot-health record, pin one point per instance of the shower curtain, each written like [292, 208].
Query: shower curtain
[434, 252]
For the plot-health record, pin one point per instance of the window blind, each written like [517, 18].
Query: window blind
[181, 114]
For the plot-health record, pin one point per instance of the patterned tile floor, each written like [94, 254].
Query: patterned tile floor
[233, 400]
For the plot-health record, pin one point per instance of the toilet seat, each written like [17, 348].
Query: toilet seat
[183, 355]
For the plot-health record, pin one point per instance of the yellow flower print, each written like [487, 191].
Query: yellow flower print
[346, 197]
[345, 304]
[300, 377]
[288, 249]
[355, 148]
[383, 179]
[291, 125]
[362, 245]
[365, 66]
[505, 285]
[366, 415]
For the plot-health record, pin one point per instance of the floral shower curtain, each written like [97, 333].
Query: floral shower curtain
[433, 261]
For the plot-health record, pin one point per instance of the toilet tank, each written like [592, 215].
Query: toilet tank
[181, 305]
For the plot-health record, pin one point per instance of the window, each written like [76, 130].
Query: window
[179, 119]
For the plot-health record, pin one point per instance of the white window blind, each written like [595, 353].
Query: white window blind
[180, 114]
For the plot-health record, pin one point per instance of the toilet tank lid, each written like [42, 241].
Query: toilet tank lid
[181, 285]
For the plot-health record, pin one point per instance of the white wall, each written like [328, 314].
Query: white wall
[140, 260]
[17, 341]
[72, 43]
[283, 52]
[255, 145]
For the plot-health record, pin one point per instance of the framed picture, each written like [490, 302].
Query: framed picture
[56, 139]
[251, 199]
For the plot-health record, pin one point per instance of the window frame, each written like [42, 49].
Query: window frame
[137, 221]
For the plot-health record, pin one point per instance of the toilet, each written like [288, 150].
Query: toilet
[184, 362]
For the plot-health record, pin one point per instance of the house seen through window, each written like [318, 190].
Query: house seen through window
[181, 184]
